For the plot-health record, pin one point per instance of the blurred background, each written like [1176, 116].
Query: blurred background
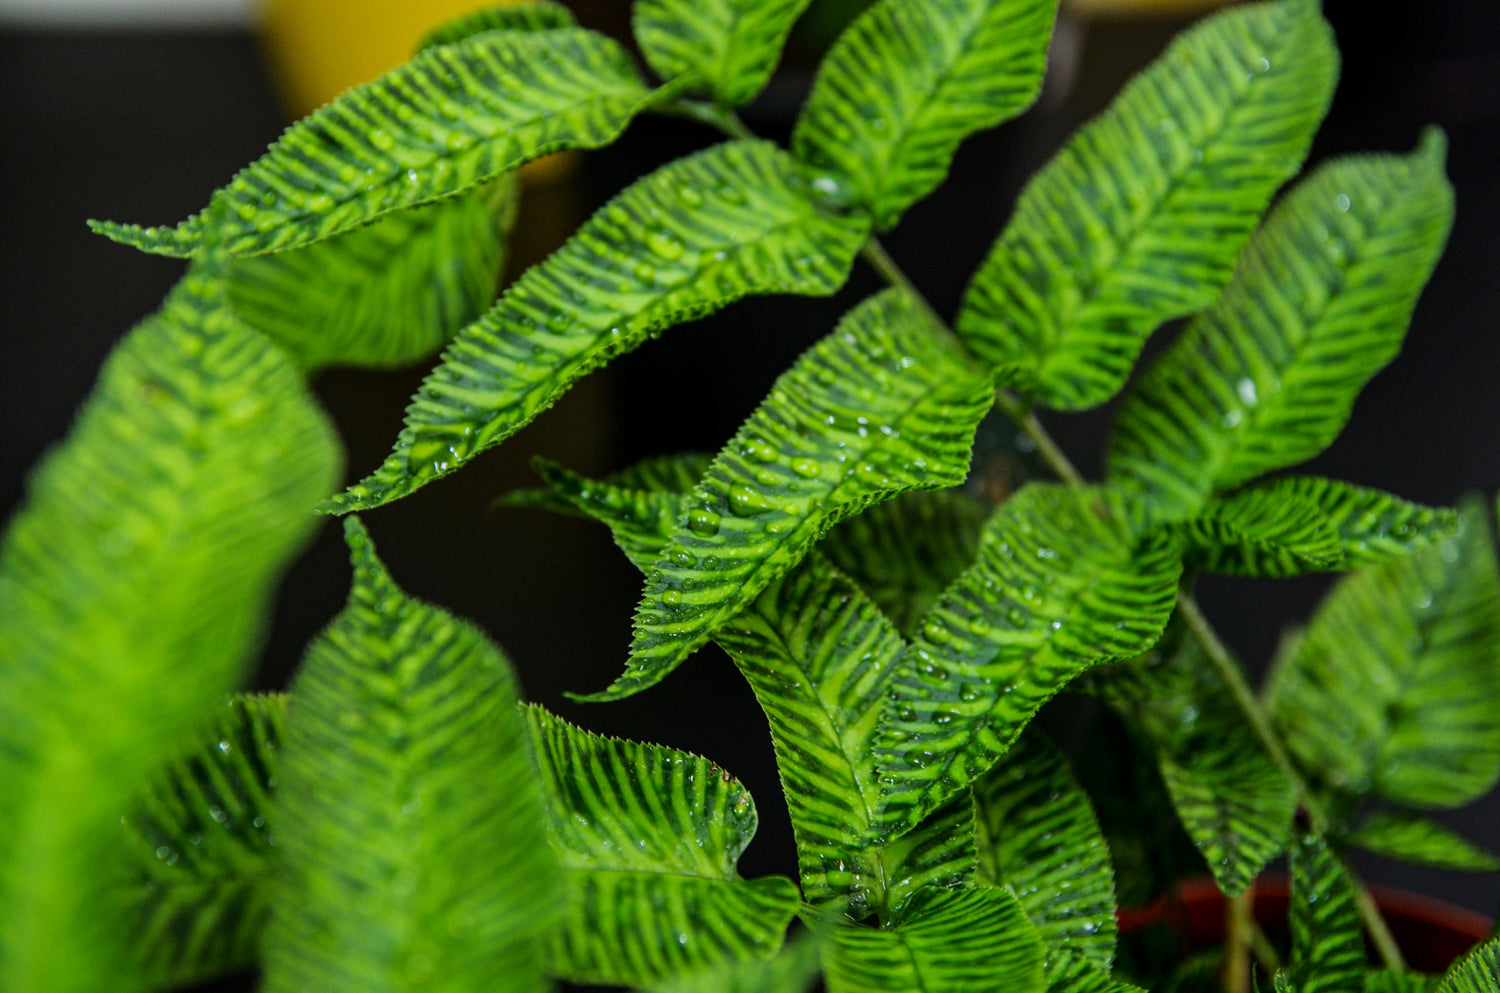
[135, 110]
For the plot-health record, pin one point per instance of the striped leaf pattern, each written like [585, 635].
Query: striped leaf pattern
[1069, 972]
[640, 519]
[693, 236]
[905, 552]
[134, 584]
[1328, 947]
[1319, 303]
[200, 852]
[1391, 688]
[384, 295]
[1139, 218]
[1236, 805]
[648, 838]
[1038, 837]
[952, 941]
[530, 15]
[729, 46]
[908, 81]
[794, 969]
[1412, 838]
[1261, 531]
[1400, 981]
[454, 117]
[884, 403]
[1061, 584]
[1476, 972]
[408, 818]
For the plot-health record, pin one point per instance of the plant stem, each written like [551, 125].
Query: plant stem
[1238, 923]
[1380, 931]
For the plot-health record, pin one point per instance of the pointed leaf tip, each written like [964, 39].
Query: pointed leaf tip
[152, 240]
[1432, 146]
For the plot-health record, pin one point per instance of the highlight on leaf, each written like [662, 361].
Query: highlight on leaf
[692, 237]
[885, 403]
[454, 117]
[904, 84]
[1319, 303]
[727, 47]
[1140, 217]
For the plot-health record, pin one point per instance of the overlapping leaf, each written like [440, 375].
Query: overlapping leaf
[386, 294]
[1069, 972]
[1037, 835]
[1476, 972]
[1411, 838]
[1391, 688]
[952, 941]
[1296, 524]
[454, 117]
[1140, 216]
[905, 552]
[1318, 304]
[885, 403]
[133, 586]
[1399, 981]
[905, 84]
[1235, 803]
[1328, 948]
[693, 236]
[729, 46]
[1060, 585]
[531, 15]
[648, 838]
[408, 818]
[794, 969]
[200, 851]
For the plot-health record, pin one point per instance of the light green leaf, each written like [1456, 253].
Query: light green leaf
[648, 838]
[1328, 946]
[1069, 972]
[1311, 523]
[794, 969]
[200, 853]
[1476, 972]
[952, 941]
[134, 585]
[1412, 838]
[1318, 304]
[905, 552]
[1061, 584]
[1038, 836]
[905, 84]
[729, 46]
[1235, 803]
[531, 15]
[640, 520]
[1391, 689]
[408, 818]
[692, 237]
[1397, 981]
[1139, 218]
[454, 117]
[384, 295]
[883, 404]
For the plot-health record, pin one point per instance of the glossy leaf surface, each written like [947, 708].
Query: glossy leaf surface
[729, 46]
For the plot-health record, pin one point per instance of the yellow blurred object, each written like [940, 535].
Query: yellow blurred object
[1141, 8]
[320, 48]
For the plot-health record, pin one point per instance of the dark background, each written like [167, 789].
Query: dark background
[142, 126]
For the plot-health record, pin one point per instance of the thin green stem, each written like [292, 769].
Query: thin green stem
[1380, 932]
[1239, 923]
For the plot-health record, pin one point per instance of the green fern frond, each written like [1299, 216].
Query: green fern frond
[729, 47]
[1390, 691]
[1328, 947]
[1400, 981]
[692, 237]
[648, 838]
[408, 818]
[794, 969]
[384, 295]
[1319, 303]
[1069, 972]
[884, 403]
[1061, 584]
[1412, 838]
[532, 15]
[1140, 216]
[454, 117]
[1476, 972]
[134, 585]
[905, 84]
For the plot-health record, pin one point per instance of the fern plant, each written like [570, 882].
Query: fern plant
[400, 820]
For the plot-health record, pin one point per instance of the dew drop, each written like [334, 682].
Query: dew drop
[806, 468]
[1246, 389]
[1342, 201]
[665, 244]
[704, 523]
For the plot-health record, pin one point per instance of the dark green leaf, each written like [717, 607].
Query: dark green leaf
[883, 404]
[1061, 584]
[1476, 972]
[1328, 947]
[1391, 689]
[408, 818]
[530, 15]
[905, 84]
[729, 46]
[648, 838]
[1397, 981]
[1411, 838]
[454, 117]
[1318, 304]
[1140, 217]
[690, 238]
